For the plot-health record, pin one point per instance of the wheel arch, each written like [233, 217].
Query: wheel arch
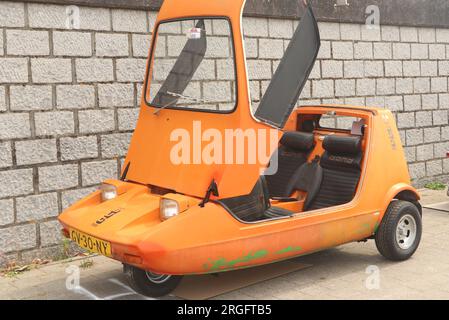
[404, 192]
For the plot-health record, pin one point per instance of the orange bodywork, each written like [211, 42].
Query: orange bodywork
[209, 239]
[154, 131]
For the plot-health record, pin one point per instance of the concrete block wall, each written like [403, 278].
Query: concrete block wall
[69, 100]
[68, 105]
[404, 69]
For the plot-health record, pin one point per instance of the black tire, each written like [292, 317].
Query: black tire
[387, 241]
[140, 280]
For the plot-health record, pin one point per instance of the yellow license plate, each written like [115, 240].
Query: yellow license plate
[90, 243]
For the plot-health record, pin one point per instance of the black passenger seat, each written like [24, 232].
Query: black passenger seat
[307, 179]
[341, 164]
[293, 152]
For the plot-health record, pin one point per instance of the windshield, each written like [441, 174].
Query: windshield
[193, 66]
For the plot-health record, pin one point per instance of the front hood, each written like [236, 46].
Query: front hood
[124, 219]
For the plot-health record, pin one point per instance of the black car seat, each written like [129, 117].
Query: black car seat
[269, 210]
[293, 152]
[308, 179]
[256, 206]
[341, 164]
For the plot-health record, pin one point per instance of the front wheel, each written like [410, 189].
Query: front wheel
[400, 231]
[151, 284]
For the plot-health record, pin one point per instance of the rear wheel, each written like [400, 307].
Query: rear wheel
[151, 284]
[400, 232]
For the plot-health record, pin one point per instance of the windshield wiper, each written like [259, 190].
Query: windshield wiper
[177, 95]
[156, 112]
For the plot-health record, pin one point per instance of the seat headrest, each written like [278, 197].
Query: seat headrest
[300, 141]
[342, 145]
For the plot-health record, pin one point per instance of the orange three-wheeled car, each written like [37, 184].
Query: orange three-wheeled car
[193, 200]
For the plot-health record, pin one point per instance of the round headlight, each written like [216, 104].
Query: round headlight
[168, 209]
[108, 192]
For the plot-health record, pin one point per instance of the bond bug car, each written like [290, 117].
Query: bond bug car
[337, 174]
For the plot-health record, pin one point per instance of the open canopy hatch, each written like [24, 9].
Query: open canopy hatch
[196, 91]
[294, 69]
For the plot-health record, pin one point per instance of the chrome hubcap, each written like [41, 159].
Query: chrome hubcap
[157, 278]
[406, 232]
